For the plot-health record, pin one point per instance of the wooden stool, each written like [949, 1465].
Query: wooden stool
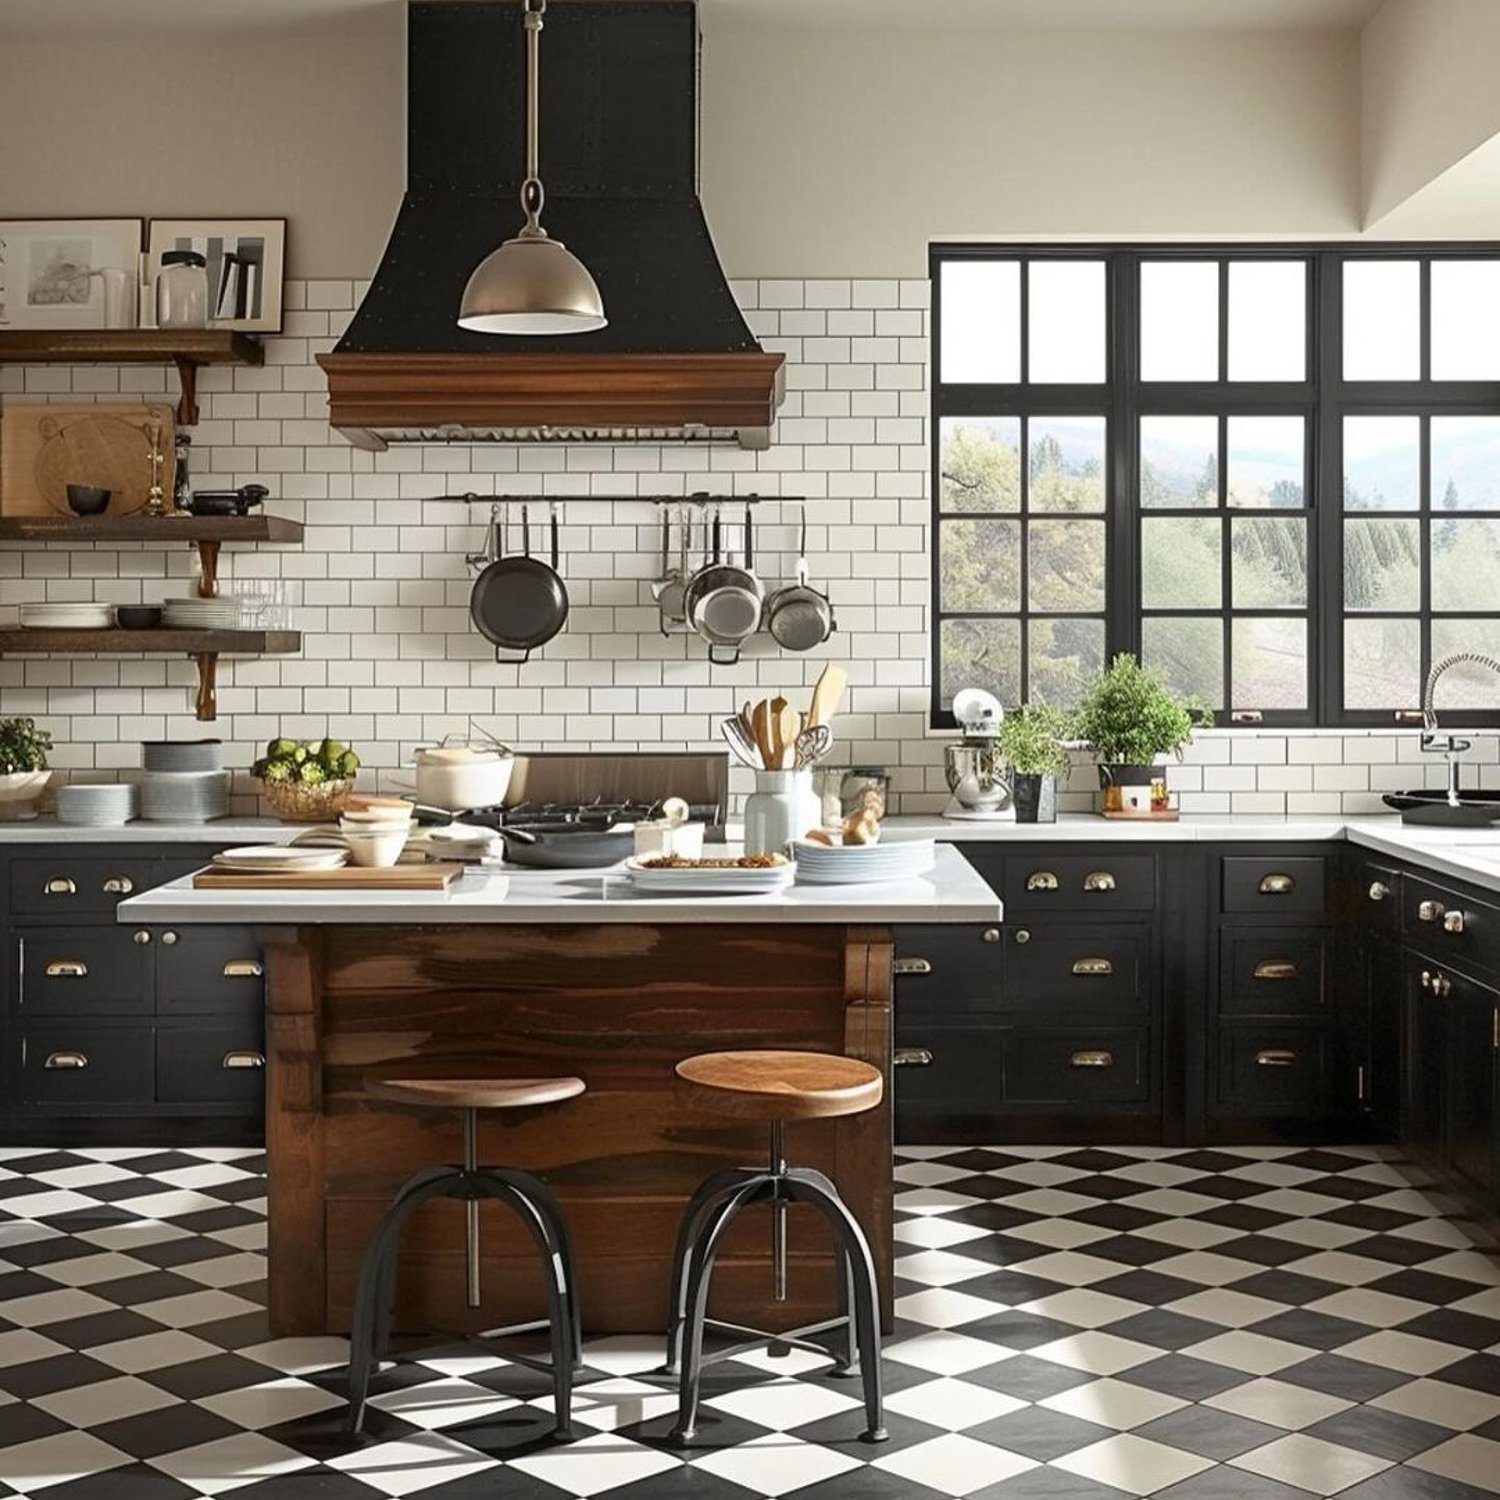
[529, 1196]
[774, 1087]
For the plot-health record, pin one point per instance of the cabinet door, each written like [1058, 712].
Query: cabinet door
[1425, 1065]
[1472, 1028]
[1379, 1033]
[208, 968]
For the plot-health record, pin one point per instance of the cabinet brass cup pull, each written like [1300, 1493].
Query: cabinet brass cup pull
[1276, 1057]
[1453, 921]
[1093, 966]
[1099, 880]
[911, 1057]
[250, 968]
[1093, 1058]
[1276, 885]
[1379, 890]
[67, 968]
[57, 1060]
[1429, 911]
[1276, 968]
[118, 885]
[59, 885]
[1041, 880]
[243, 1060]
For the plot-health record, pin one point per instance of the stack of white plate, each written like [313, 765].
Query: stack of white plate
[67, 616]
[279, 859]
[183, 755]
[184, 796]
[862, 864]
[222, 613]
[89, 806]
[708, 880]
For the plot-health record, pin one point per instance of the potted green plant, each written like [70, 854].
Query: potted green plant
[1130, 721]
[1032, 741]
[23, 767]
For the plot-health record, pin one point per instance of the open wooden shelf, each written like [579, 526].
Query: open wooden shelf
[204, 646]
[187, 348]
[144, 528]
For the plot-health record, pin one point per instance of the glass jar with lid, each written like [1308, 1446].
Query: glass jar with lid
[182, 290]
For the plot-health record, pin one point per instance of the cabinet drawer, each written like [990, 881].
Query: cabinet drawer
[1377, 897]
[1076, 967]
[80, 1063]
[76, 970]
[1449, 925]
[948, 968]
[1273, 883]
[1078, 1065]
[207, 969]
[963, 1076]
[1099, 883]
[213, 1063]
[66, 886]
[1270, 1070]
[1271, 973]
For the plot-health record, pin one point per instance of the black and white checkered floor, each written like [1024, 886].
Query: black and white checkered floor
[1255, 1324]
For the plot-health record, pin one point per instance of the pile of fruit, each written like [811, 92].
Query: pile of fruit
[306, 763]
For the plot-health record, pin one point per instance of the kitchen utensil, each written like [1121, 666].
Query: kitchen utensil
[670, 590]
[798, 617]
[662, 836]
[723, 601]
[66, 616]
[459, 776]
[782, 807]
[712, 880]
[227, 502]
[785, 726]
[974, 767]
[828, 691]
[88, 499]
[137, 616]
[96, 805]
[760, 726]
[44, 449]
[812, 744]
[520, 603]
[415, 877]
[741, 746]
[375, 848]
[182, 755]
[585, 844]
[862, 864]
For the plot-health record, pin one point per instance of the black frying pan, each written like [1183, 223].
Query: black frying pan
[520, 603]
[567, 846]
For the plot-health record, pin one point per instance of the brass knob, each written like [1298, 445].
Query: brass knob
[59, 885]
[57, 1060]
[1022, 935]
[1041, 880]
[169, 938]
[1276, 968]
[67, 968]
[243, 1060]
[911, 1057]
[1379, 890]
[140, 936]
[1429, 911]
[1093, 966]
[1099, 880]
[1276, 885]
[1276, 1057]
[1453, 921]
[1092, 1058]
[118, 885]
[250, 968]
[1425, 980]
[1441, 985]
[991, 935]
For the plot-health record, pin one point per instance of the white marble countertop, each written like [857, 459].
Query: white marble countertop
[1090, 828]
[953, 892]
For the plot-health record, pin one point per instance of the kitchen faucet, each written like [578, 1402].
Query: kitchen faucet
[1450, 746]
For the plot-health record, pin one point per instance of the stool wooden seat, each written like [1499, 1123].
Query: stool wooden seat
[476, 1093]
[767, 1085]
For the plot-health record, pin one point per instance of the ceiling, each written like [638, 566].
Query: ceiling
[34, 16]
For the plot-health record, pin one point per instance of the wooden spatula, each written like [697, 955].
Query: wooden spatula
[784, 724]
[827, 695]
[760, 717]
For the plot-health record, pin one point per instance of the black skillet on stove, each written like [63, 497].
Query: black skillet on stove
[587, 841]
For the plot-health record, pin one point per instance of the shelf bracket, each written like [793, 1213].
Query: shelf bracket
[207, 708]
[208, 567]
[187, 400]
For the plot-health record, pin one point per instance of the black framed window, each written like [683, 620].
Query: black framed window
[1272, 471]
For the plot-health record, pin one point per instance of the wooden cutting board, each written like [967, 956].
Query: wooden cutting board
[432, 877]
[44, 449]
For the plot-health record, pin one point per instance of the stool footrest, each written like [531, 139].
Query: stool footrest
[795, 1338]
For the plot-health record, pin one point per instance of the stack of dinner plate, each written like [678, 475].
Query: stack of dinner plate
[85, 805]
[221, 613]
[183, 755]
[184, 796]
[67, 616]
[279, 859]
[862, 864]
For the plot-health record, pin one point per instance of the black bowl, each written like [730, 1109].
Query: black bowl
[138, 616]
[88, 499]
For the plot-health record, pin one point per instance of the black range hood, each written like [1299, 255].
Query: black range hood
[619, 115]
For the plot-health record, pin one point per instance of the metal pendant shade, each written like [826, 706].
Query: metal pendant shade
[531, 284]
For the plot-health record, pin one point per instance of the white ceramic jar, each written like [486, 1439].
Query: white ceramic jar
[782, 807]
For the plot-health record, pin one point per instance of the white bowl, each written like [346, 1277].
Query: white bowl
[375, 847]
[20, 791]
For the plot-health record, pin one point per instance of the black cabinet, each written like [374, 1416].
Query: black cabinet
[1473, 1014]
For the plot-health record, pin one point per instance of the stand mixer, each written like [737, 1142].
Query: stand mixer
[974, 766]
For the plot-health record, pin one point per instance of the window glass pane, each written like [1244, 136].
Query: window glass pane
[1382, 564]
[1179, 462]
[1382, 463]
[1065, 321]
[1465, 463]
[1268, 565]
[1065, 654]
[1382, 320]
[981, 653]
[980, 566]
[980, 464]
[1465, 319]
[1466, 685]
[1180, 320]
[1268, 663]
[1267, 320]
[1180, 562]
[980, 326]
[1065, 566]
[1065, 463]
[1189, 655]
[1265, 468]
[1382, 663]
[1465, 564]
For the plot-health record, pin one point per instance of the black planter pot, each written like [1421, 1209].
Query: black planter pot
[1035, 798]
[1126, 776]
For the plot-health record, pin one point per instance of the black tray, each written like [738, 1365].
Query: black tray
[1427, 805]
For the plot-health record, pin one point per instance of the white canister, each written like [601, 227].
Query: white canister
[782, 807]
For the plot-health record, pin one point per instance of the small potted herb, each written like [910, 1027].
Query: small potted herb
[1032, 741]
[1130, 721]
[23, 767]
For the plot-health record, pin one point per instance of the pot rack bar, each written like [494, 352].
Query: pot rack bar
[701, 497]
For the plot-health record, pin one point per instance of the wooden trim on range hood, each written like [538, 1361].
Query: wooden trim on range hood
[374, 399]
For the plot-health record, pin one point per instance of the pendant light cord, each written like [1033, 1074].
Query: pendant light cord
[531, 190]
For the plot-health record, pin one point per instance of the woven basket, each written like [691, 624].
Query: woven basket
[296, 802]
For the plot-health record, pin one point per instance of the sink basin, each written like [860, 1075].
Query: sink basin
[1476, 808]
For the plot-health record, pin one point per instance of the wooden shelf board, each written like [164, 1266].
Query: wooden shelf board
[159, 642]
[129, 346]
[149, 529]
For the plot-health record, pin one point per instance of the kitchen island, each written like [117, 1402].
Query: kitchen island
[525, 973]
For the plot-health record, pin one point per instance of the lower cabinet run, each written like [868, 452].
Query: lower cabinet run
[119, 1033]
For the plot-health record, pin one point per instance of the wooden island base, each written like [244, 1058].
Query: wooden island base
[619, 1005]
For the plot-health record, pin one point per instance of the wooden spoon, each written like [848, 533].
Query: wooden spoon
[827, 695]
[761, 725]
[785, 724]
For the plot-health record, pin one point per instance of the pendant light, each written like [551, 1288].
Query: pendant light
[531, 284]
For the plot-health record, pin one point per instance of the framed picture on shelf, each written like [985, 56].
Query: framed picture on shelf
[246, 259]
[51, 270]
